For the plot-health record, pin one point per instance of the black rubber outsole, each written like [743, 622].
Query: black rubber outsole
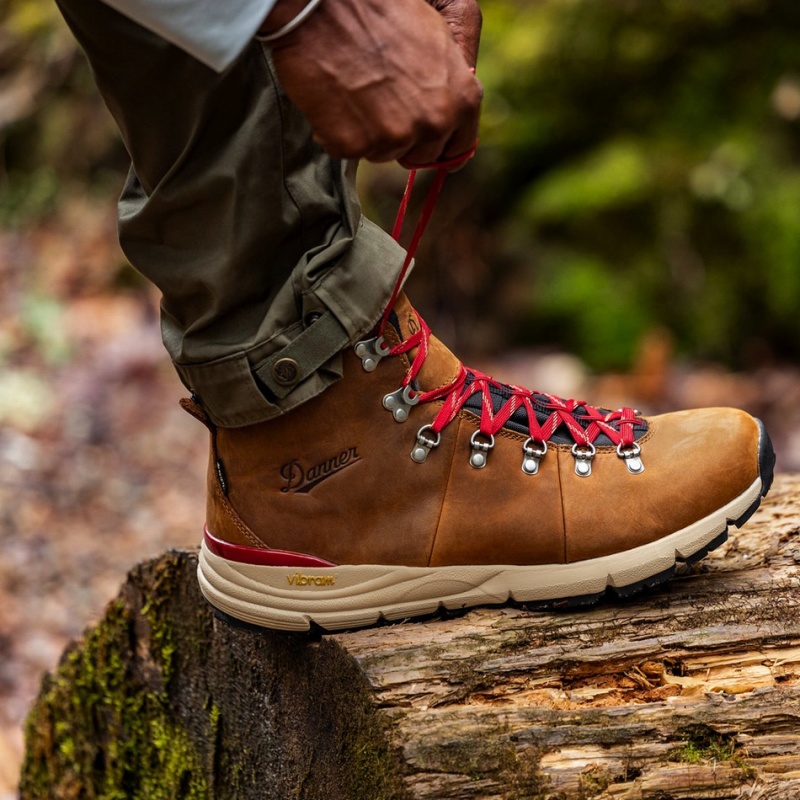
[766, 465]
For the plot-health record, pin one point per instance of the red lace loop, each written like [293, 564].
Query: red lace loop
[569, 413]
[442, 170]
[424, 218]
[420, 339]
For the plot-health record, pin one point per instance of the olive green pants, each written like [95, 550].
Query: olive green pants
[251, 232]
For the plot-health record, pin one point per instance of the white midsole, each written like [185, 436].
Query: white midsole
[289, 598]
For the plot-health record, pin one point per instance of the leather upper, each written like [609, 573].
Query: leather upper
[334, 478]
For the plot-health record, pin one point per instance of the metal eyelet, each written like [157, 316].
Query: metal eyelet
[401, 402]
[631, 457]
[424, 444]
[532, 456]
[480, 450]
[583, 454]
[371, 351]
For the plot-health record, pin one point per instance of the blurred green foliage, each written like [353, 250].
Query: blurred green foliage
[55, 133]
[639, 167]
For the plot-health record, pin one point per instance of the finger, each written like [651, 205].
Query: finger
[355, 140]
[424, 152]
[465, 135]
[455, 155]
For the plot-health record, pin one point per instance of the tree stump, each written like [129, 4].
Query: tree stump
[691, 691]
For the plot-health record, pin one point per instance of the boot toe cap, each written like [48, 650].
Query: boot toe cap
[695, 464]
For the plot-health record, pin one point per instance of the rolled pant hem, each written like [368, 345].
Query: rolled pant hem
[355, 290]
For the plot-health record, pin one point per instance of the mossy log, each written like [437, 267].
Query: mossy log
[691, 691]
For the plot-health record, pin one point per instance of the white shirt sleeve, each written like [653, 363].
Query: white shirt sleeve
[213, 31]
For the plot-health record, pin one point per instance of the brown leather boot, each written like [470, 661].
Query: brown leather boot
[414, 484]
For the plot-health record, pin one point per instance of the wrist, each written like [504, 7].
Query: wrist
[280, 15]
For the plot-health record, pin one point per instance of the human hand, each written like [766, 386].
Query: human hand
[386, 80]
[465, 20]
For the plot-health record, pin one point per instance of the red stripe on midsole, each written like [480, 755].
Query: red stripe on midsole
[262, 557]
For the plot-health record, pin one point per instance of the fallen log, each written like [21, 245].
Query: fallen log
[690, 691]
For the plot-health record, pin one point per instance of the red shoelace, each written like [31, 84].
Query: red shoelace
[618, 426]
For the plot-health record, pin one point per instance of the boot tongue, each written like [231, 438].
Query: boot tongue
[441, 366]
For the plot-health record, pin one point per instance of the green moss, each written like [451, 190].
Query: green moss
[227, 713]
[103, 728]
[373, 770]
[493, 756]
[702, 745]
[161, 633]
[490, 755]
[524, 777]
[359, 739]
[594, 781]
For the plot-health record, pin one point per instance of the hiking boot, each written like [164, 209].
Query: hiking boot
[415, 483]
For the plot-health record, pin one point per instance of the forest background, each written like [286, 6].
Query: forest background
[629, 232]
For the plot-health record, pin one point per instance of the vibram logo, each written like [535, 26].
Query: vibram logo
[310, 580]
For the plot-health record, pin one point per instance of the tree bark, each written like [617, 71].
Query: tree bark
[690, 691]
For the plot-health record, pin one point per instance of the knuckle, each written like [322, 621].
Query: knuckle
[437, 123]
[387, 145]
[472, 96]
[443, 114]
[386, 148]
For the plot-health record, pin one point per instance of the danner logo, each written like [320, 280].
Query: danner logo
[300, 479]
[310, 580]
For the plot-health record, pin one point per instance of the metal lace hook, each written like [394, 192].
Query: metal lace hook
[401, 402]
[371, 351]
[532, 455]
[424, 444]
[480, 450]
[630, 455]
[583, 453]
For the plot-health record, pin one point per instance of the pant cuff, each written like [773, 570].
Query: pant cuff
[355, 291]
